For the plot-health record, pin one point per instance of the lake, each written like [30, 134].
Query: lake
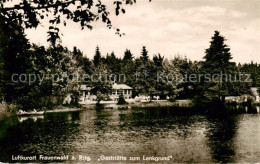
[99, 134]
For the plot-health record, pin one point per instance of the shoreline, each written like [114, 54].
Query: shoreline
[63, 109]
[5, 110]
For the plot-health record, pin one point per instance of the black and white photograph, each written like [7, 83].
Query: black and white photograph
[129, 81]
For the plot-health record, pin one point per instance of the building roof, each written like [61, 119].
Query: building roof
[114, 86]
[120, 86]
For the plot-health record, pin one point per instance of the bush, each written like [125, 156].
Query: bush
[121, 100]
[172, 98]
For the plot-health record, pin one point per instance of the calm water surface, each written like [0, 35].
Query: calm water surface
[149, 132]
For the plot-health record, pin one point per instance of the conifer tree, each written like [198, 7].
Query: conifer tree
[97, 57]
[218, 55]
[128, 55]
[158, 60]
[217, 61]
[144, 54]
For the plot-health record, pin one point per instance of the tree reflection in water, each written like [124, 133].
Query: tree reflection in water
[221, 134]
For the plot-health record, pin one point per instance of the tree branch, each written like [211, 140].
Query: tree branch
[16, 7]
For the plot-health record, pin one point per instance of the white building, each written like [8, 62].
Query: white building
[117, 90]
[121, 89]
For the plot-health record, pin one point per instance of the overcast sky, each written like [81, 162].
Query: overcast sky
[170, 27]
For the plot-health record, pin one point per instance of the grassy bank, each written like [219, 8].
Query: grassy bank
[177, 103]
[189, 106]
[149, 104]
[153, 104]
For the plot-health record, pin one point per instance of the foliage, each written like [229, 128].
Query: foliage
[100, 85]
[97, 57]
[121, 100]
[141, 73]
[100, 96]
[254, 70]
[20, 57]
[144, 55]
[217, 61]
[14, 59]
[158, 60]
[113, 63]
[30, 14]
[128, 55]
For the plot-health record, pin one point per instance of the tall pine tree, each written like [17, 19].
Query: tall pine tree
[218, 55]
[144, 55]
[97, 57]
[128, 55]
[217, 61]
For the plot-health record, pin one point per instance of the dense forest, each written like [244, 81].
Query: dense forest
[51, 70]
[146, 75]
